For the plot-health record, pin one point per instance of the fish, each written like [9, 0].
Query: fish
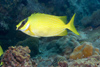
[1, 52]
[45, 25]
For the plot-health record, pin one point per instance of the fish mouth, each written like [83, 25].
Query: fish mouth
[22, 24]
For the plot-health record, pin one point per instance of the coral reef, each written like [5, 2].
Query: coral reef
[54, 46]
[92, 27]
[83, 51]
[32, 43]
[58, 45]
[44, 62]
[62, 64]
[58, 59]
[17, 56]
[97, 42]
[92, 20]
[93, 35]
[93, 61]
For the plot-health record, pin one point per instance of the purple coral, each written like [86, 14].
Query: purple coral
[17, 56]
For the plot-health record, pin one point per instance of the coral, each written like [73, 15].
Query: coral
[93, 35]
[17, 56]
[58, 45]
[93, 61]
[57, 60]
[34, 64]
[92, 20]
[44, 62]
[62, 64]
[84, 50]
[97, 42]
[32, 43]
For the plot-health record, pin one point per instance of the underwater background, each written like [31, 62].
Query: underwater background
[21, 50]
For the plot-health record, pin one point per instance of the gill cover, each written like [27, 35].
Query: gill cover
[23, 25]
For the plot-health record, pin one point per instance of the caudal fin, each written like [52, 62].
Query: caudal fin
[71, 26]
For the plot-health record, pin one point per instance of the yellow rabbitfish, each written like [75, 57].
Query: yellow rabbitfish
[44, 25]
[1, 52]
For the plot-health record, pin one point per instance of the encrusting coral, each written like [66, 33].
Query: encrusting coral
[83, 51]
[17, 56]
[93, 61]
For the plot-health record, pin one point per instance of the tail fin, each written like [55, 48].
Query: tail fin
[71, 26]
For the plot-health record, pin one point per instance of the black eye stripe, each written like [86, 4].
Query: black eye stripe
[23, 23]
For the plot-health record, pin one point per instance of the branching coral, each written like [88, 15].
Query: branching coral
[84, 50]
[17, 56]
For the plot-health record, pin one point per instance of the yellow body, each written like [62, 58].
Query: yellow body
[44, 25]
[1, 52]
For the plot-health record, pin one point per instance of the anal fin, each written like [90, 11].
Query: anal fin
[63, 33]
[63, 18]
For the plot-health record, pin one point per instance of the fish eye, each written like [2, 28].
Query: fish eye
[23, 23]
